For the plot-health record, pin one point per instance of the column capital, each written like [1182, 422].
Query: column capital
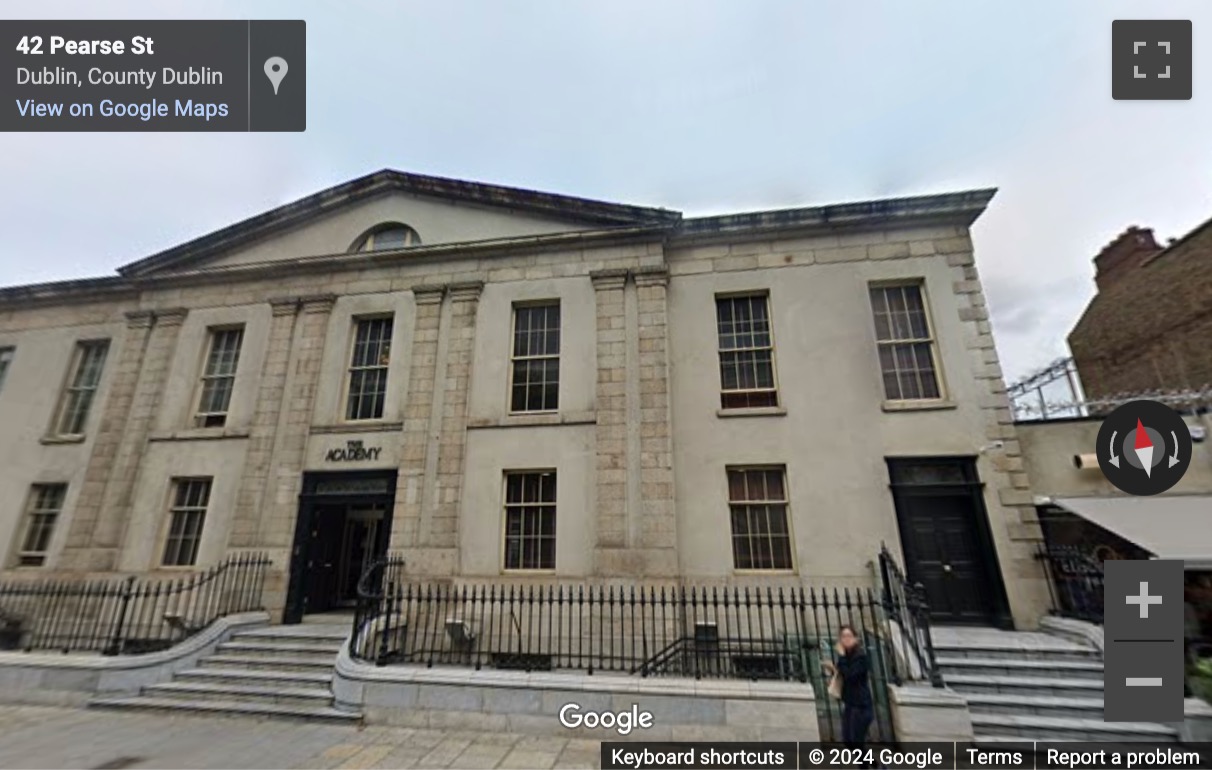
[284, 305]
[428, 294]
[140, 319]
[605, 280]
[467, 291]
[317, 303]
[657, 275]
[171, 316]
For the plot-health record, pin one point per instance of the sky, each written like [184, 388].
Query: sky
[701, 106]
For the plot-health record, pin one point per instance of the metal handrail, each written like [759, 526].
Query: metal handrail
[906, 606]
[132, 614]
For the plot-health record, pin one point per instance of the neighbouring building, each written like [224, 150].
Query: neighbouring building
[1073, 493]
[1149, 325]
[1086, 520]
[507, 384]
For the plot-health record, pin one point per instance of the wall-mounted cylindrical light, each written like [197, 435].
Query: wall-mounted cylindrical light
[1085, 462]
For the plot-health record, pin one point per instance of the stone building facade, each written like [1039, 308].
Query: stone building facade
[511, 385]
[1149, 325]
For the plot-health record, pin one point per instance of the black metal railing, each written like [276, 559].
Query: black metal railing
[375, 632]
[1075, 582]
[908, 618]
[778, 633]
[123, 616]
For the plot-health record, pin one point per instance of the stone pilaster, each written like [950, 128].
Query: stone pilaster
[454, 382]
[271, 390]
[280, 504]
[146, 406]
[124, 380]
[115, 511]
[418, 412]
[658, 520]
[610, 515]
[1011, 507]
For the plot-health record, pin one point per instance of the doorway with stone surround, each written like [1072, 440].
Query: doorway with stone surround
[344, 524]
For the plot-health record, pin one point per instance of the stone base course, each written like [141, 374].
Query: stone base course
[682, 709]
[924, 713]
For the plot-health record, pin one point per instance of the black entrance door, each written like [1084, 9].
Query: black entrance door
[322, 577]
[945, 536]
[344, 523]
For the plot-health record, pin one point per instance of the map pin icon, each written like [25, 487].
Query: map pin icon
[275, 70]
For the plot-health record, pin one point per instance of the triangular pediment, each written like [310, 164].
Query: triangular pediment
[439, 211]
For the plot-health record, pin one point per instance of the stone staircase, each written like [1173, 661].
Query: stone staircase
[275, 671]
[1026, 686]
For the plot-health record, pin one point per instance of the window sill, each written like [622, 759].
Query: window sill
[531, 420]
[361, 426]
[753, 411]
[765, 572]
[918, 406]
[52, 440]
[198, 434]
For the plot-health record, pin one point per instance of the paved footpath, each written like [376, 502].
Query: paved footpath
[42, 737]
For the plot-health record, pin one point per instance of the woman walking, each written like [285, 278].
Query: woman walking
[852, 668]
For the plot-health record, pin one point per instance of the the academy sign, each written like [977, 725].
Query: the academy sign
[353, 452]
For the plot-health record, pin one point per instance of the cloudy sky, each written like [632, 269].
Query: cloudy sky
[700, 106]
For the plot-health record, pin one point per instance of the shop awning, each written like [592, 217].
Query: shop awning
[1170, 527]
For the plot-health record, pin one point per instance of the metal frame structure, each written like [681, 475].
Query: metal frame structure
[1029, 402]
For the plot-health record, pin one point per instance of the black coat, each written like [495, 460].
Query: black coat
[853, 669]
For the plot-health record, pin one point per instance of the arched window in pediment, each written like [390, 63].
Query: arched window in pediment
[388, 235]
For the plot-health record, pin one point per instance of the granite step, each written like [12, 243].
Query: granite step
[325, 643]
[282, 696]
[1043, 705]
[981, 684]
[227, 708]
[1060, 652]
[1036, 727]
[252, 677]
[318, 632]
[268, 663]
[1040, 669]
[280, 648]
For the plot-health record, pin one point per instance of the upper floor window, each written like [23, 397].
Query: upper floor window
[218, 376]
[185, 520]
[368, 369]
[6, 358]
[389, 235]
[87, 364]
[746, 352]
[536, 358]
[905, 342]
[42, 511]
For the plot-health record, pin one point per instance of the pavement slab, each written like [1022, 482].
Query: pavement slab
[95, 739]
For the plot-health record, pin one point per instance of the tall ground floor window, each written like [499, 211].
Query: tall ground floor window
[757, 502]
[186, 517]
[530, 520]
[45, 504]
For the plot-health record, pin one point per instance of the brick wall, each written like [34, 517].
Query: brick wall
[1149, 328]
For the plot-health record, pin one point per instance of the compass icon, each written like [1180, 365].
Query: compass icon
[1144, 447]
